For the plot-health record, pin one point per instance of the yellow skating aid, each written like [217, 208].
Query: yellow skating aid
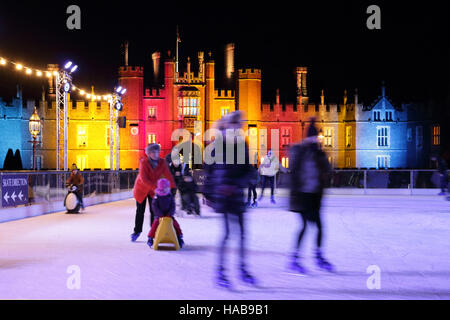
[166, 233]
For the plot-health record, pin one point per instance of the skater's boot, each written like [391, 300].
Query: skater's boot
[222, 280]
[272, 200]
[295, 266]
[322, 263]
[150, 242]
[180, 241]
[255, 204]
[247, 277]
[442, 193]
[134, 236]
[248, 204]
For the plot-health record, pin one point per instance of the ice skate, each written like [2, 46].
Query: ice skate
[150, 242]
[134, 236]
[247, 277]
[442, 193]
[248, 204]
[272, 200]
[322, 263]
[222, 280]
[255, 204]
[295, 266]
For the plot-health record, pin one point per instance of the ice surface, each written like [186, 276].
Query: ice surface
[407, 237]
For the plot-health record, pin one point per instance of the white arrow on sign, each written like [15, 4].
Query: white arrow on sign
[6, 197]
[20, 195]
[13, 196]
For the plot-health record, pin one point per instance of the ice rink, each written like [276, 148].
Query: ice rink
[406, 237]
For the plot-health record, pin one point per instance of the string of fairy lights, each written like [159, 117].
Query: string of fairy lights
[40, 73]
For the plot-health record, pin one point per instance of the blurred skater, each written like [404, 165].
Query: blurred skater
[443, 176]
[268, 170]
[163, 205]
[309, 167]
[226, 183]
[151, 168]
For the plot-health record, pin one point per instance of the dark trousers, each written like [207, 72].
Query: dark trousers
[271, 181]
[233, 220]
[444, 182]
[140, 211]
[79, 195]
[251, 189]
[310, 213]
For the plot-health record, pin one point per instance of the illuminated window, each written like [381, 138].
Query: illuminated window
[82, 161]
[348, 162]
[383, 162]
[225, 110]
[152, 112]
[348, 136]
[436, 135]
[383, 136]
[82, 136]
[285, 162]
[152, 138]
[328, 137]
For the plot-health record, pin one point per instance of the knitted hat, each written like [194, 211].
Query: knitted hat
[312, 130]
[163, 187]
[152, 146]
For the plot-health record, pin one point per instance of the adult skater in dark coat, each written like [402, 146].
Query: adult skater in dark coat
[227, 181]
[443, 176]
[309, 168]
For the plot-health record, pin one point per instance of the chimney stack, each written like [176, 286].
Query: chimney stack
[201, 61]
[229, 60]
[356, 97]
[156, 57]
[278, 96]
[302, 93]
[322, 99]
[126, 53]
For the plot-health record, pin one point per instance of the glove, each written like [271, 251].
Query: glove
[173, 191]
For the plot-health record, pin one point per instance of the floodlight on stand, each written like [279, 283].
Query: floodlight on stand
[118, 89]
[74, 68]
[123, 91]
[68, 64]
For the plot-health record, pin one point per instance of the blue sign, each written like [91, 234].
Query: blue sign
[14, 190]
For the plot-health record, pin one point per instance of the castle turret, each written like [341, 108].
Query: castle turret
[250, 93]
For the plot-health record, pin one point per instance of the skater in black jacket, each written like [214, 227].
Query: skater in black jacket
[226, 181]
[188, 190]
[309, 168]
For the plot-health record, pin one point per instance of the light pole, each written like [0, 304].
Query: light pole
[34, 126]
[115, 105]
[63, 87]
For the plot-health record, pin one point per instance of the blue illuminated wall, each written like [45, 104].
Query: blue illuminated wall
[14, 132]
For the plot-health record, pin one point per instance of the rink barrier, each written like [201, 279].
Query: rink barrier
[47, 189]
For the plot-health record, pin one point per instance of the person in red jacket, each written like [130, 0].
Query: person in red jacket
[151, 169]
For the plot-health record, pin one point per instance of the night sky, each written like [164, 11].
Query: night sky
[410, 52]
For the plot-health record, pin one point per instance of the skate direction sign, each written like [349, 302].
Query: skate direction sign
[14, 190]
